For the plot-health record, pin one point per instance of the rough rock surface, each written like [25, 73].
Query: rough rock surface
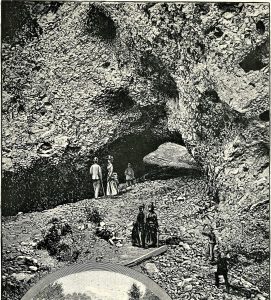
[67, 97]
[81, 79]
[170, 155]
[88, 78]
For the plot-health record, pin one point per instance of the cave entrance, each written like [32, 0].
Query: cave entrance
[132, 149]
[46, 185]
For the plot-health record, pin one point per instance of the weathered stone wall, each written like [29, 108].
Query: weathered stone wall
[89, 76]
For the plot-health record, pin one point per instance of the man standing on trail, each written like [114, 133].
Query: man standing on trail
[141, 224]
[96, 173]
[151, 227]
[129, 175]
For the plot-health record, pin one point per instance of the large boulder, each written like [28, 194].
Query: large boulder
[171, 155]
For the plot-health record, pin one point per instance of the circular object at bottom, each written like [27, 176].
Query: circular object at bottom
[96, 281]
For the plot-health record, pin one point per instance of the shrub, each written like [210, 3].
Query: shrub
[93, 215]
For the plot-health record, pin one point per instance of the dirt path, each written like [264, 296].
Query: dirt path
[182, 271]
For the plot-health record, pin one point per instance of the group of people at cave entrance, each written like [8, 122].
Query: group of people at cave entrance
[112, 186]
[145, 229]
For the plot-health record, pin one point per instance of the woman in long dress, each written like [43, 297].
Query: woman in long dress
[111, 189]
[151, 227]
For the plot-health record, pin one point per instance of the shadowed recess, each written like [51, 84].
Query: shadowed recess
[18, 26]
[117, 100]
[211, 95]
[230, 6]
[132, 149]
[264, 116]
[256, 59]
[44, 186]
[260, 27]
[100, 24]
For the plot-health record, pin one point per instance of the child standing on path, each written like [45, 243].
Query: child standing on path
[129, 175]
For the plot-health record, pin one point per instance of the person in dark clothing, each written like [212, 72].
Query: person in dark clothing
[212, 242]
[151, 227]
[135, 236]
[222, 269]
[141, 226]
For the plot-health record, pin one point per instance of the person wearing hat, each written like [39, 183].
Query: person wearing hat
[96, 173]
[141, 224]
[112, 188]
[151, 227]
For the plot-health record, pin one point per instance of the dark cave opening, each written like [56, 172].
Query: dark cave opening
[211, 95]
[45, 185]
[106, 64]
[21, 108]
[117, 100]
[256, 59]
[132, 149]
[44, 147]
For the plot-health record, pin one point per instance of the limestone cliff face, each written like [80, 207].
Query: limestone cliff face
[67, 97]
[90, 78]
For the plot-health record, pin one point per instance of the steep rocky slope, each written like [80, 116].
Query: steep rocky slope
[81, 79]
[182, 270]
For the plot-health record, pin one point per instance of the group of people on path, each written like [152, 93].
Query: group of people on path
[145, 229]
[112, 187]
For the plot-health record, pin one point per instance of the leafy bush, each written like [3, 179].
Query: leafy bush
[54, 244]
[93, 215]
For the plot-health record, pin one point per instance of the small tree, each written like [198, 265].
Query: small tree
[149, 295]
[93, 215]
[77, 296]
[134, 293]
[52, 291]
